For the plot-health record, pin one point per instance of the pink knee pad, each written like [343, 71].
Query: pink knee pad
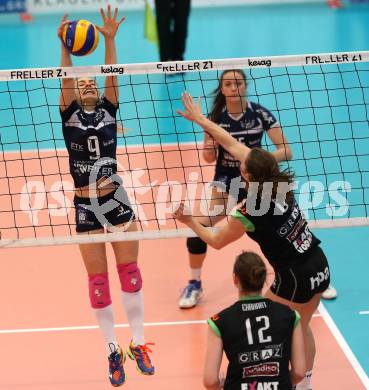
[130, 277]
[99, 290]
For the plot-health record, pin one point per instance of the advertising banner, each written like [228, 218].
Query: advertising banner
[8, 6]
[62, 6]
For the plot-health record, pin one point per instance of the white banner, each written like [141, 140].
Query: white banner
[185, 66]
[61, 6]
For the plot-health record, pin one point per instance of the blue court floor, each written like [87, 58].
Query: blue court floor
[242, 32]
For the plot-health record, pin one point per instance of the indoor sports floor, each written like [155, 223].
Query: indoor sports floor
[48, 335]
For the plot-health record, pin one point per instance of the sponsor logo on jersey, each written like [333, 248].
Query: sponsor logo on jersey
[267, 117]
[107, 143]
[76, 147]
[248, 124]
[87, 167]
[303, 241]
[271, 351]
[263, 369]
[260, 386]
[289, 224]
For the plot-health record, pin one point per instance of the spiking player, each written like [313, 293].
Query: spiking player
[89, 129]
[247, 122]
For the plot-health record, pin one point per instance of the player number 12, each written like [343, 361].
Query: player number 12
[264, 320]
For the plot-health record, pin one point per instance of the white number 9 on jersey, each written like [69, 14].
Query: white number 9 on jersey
[93, 147]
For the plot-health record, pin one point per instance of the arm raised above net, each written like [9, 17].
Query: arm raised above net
[109, 30]
[192, 112]
[67, 85]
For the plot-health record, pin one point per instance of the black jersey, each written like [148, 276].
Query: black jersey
[247, 129]
[282, 231]
[257, 335]
[90, 137]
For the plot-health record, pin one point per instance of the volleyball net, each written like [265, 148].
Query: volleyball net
[320, 100]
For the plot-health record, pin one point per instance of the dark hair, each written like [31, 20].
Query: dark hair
[262, 166]
[219, 100]
[250, 271]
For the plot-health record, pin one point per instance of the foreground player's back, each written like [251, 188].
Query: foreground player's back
[257, 335]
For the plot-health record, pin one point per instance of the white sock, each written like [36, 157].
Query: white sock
[105, 320]
[134, 307]
[305, 384]
[195, 274]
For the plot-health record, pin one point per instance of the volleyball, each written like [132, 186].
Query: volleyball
[80, 37]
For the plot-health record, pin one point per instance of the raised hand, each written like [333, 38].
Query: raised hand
[192, 110]
[110, 23]
[63, 22]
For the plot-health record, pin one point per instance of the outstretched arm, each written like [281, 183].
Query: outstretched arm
[226, 234]
[109, 30]
[67, 85]
[192, 112]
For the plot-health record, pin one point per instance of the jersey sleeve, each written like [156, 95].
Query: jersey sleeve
[66, 114]
[267, 118]
[239, 214]
[214, 327]
[297, 318]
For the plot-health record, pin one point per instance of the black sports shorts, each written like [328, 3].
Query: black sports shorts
[299, 283]
[111, 209]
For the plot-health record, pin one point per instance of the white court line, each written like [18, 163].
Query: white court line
[344, 346]
[364, 312]
[93, 327]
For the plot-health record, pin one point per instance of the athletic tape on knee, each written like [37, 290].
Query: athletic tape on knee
[130, 277]
[196, 245]
[99, 290]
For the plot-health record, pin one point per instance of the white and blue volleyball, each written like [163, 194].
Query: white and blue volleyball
[80, 37]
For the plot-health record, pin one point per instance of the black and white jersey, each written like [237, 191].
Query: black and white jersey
[257, 336]
[247, 129]
[91, 141]
[281, 230]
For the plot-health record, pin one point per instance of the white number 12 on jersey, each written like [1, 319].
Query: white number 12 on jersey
[262, 337]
